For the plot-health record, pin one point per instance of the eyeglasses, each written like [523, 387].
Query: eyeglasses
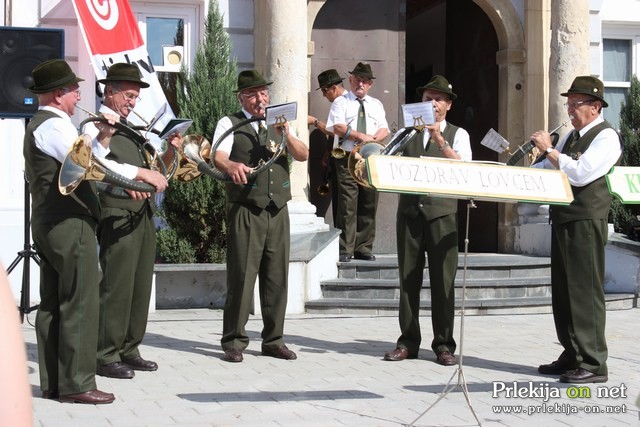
[130, 96]
[574, 105]
[252, 95]
[76, 91]
[363, 80]
[326, 89]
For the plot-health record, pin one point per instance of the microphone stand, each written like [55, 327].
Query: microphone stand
[461, 380]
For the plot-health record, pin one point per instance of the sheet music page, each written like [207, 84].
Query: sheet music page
[418, 113]
[281, 112]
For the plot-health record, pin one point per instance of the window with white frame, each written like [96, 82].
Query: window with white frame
[171, 34]
[617, 61]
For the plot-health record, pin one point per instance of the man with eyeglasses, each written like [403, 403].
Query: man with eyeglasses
[330, 84]
[126, 232]
[63, 229]
[356, 118]
[579, 233]
[258, 236]
[429, 224]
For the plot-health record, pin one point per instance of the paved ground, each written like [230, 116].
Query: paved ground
[340, 378]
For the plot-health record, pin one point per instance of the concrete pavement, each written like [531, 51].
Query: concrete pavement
[340, 378]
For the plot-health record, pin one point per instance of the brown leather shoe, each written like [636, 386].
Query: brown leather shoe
[582, 376]
[115, 370]
[446, 358]
[95, 397]
[400, 353]
[232, 355]
[279, 352]
[139, 364]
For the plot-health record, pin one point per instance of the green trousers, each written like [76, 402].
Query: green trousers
[67, 318]
[127, 255]
[257, 247]
[577, 286]
[355, 213]
[439, 239]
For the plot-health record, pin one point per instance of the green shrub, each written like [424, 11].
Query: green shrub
[195, 211]
[625, 218]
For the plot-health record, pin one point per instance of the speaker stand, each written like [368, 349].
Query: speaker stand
[459, 372]
[26, 254]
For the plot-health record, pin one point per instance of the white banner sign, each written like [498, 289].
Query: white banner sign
[111, 35]
[624, 183]
[468, 180]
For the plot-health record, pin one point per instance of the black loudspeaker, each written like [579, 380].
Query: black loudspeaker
[21, 49]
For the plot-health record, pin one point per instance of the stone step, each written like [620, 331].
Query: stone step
[495, 284]
[480, 288]
[473, 307]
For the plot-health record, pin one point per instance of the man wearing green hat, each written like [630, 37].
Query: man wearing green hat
[579, 233]
[356, 118]
[429, 224]
[258, 236]
[63, 229]
[126, 233]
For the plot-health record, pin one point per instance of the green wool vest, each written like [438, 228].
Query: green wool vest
[430, 207]
[42, 172]
[272, 185]
[591, 201]
[123, 150]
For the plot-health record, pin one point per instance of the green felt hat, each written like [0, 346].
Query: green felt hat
[122, 72]
[250, 78]
[587, 85]
[440, 84]
[52, 74]
[328, 78]
[363, 69]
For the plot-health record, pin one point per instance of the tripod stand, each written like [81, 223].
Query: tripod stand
[461, 380]
[26, 254]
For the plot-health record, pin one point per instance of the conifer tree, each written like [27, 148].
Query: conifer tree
[626, 217]
[195, 211]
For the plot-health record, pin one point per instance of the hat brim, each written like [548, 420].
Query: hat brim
[55, 85]
[251, 86]
[597, 98]
[361, 75]
[143, 85]
[335, 82]
[452, 95]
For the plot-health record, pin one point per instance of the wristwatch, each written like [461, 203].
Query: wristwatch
[549, 150]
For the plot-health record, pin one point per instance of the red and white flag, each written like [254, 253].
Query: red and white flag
[111, 34]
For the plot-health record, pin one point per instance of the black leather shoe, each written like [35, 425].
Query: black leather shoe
[399, 354]
[582, 376]
[115, 370]
[365, 257]
[560, 366]
[279, 352]
[95, 397]
[47, 394]
[445, 358]
[139, 364]
[345, 257]
[232, 355]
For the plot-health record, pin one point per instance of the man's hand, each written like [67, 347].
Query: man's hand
[238, 172]
[106, 130]
[154, 178]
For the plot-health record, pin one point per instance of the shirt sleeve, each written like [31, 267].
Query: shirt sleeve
[595, 162]
[224, 124]
[126, 170]
[337, 113]
[462, 144]
[55, 137]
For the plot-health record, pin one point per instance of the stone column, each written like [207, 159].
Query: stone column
[569, 54]
[281, 53]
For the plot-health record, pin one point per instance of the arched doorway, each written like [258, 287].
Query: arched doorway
[406, 42]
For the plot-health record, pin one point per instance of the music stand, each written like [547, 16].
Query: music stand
[461, 380]
[26, 254]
